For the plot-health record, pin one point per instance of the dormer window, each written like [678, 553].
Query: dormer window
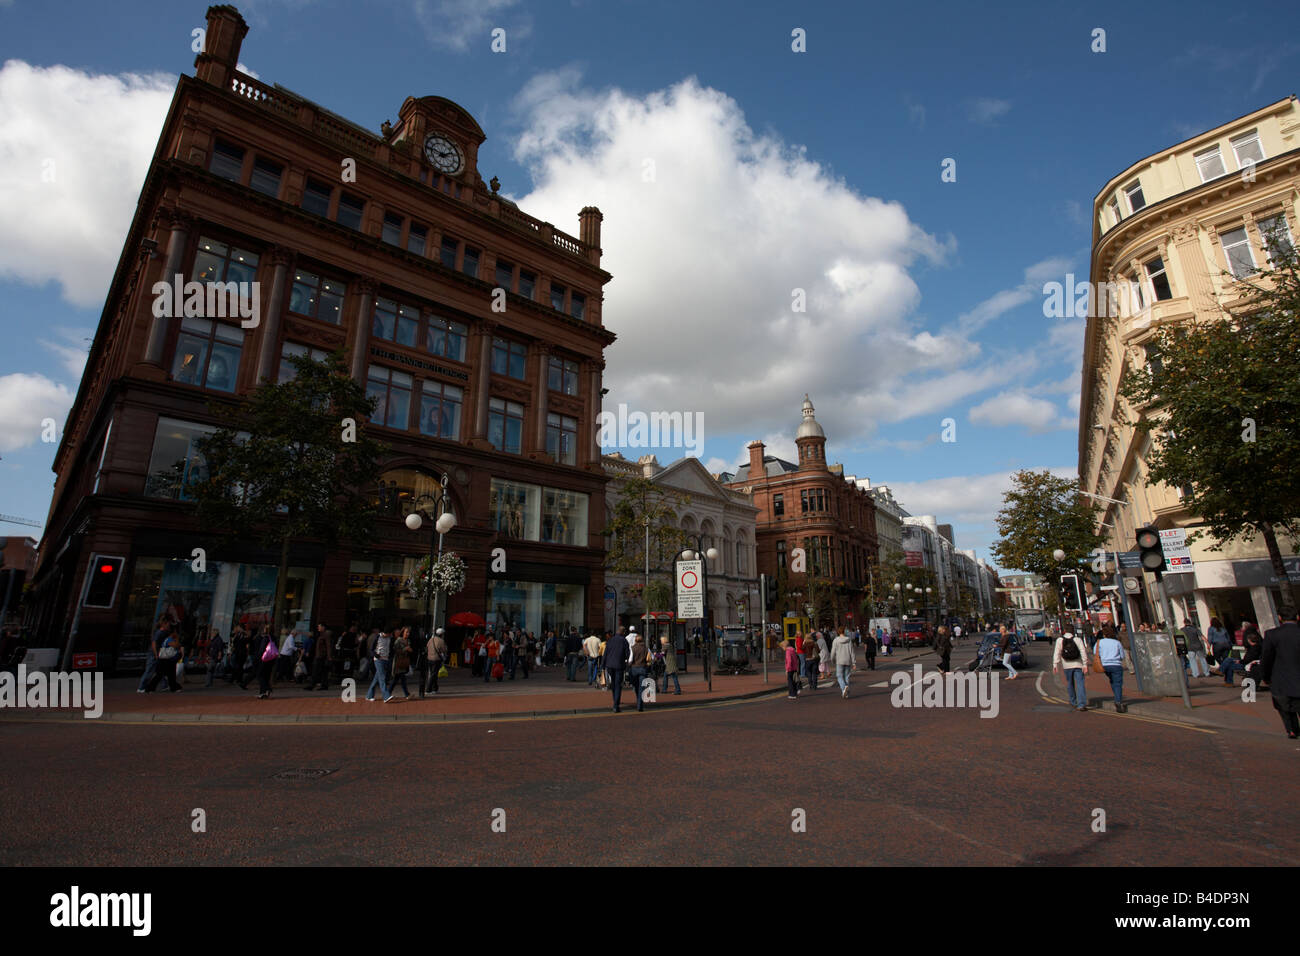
[1247, 148]
[1136, 200]
[1209, 163]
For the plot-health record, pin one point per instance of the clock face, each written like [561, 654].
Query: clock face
[443, 154]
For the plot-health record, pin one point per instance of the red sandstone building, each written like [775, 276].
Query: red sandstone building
[811, 505]
[398, 266]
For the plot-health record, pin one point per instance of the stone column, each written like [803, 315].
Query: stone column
[281, 259]
[361, 331]
[539, 400]
[482, 383]
[177, 243]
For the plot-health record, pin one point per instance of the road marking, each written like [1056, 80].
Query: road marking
[1097, 710]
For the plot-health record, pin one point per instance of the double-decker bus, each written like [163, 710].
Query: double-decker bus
[1033, 621]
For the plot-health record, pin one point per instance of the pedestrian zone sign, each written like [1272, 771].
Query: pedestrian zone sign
[690, 589]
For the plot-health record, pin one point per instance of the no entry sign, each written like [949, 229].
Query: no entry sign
[690, 589]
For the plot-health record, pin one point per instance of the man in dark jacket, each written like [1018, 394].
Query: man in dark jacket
[322, 657]
[943, 647]
[616, 654]
[1280, 669]
[572, 654]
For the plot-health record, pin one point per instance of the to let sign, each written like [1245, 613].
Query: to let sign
[1178, 559]
[690, 589]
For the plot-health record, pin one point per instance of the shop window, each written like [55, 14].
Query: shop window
[317, 297]
[564, 517]
[207, 354]
[447, 338]
[266, 177]
[440, 406]
[515, 509]
[562, 438]
[505, 425]
[391, 390]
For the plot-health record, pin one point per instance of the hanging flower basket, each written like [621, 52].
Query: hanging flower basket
[447, 575]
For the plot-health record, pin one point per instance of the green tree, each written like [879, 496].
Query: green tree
[1040, 514]
[1220, 398]
[285, 465]
[641, 498]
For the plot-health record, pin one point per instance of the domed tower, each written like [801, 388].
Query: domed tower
[811, 439]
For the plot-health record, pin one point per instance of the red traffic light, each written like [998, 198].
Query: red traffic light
[1148, 538]
[105, 569]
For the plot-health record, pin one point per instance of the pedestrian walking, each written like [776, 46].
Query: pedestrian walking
[943, 647]
[1280, 669]
[792, 669]
[869, 646]
[1071, 657]
[401, 660]
[216, 656]
[288, 656]
[1114, 659]
[615, 661]
[845, 659]
[151, 660]
[812, 662]
[800, 653]
[169, 655]
[591, 650]
[322, 658]
[436, 651]
[241, 643]
[379, 648]
[491, 652]
[670, 665]
[885, 640]
[1004, 648]
[572, 654]
[268, 652]
[638, 667]
[1220, 642]
[824, 653]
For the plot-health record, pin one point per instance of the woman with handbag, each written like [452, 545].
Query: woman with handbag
[401, 661]
[812, 655]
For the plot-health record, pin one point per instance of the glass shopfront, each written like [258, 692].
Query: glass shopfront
[377, 594]
[226, 594]
[535, 606]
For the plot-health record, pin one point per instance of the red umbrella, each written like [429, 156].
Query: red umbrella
[466, 619]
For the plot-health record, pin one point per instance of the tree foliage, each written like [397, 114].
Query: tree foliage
[280, 468]
[1220, 398]
[1040, 514]
[642, 498]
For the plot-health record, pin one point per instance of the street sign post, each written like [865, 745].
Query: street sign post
[690, 589]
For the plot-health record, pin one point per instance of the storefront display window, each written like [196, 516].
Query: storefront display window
[564, 517]
[515, 509]
[534, 606]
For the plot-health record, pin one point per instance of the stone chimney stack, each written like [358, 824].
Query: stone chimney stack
[225, 34]
[756, 449]
[589, 220]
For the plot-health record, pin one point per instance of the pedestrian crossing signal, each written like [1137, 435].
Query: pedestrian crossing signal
[104, 574]
[1071, 593]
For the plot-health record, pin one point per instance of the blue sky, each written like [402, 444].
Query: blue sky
[774, 170]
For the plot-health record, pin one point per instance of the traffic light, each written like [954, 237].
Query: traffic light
[104, 572]
[1071, 592]
[1152, 557]
[767, 587]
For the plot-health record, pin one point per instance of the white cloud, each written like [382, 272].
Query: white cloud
[1017, 407]
[25, 401]
[248, 70]
[459, 24]
[1005, 300]
[986, 109]
[73, 350]
[706, 256]
[74, 148]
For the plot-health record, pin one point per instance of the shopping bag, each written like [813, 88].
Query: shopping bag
[299, 670]
[442, 672]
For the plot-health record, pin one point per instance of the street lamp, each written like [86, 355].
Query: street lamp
[442, 525]
[701, 554]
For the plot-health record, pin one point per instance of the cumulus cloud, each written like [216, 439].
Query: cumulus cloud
[25, 402]
[1018, 407]
[710, 228]
[75, 148]
[72, 350]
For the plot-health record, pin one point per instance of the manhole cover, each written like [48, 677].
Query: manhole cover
[305, 773]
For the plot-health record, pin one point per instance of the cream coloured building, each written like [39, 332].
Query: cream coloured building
[1172, 234]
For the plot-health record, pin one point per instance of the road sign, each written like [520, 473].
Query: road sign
[690, 589]
[1178, 559]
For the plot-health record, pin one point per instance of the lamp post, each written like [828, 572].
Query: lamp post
[441, 526]
[704, 557]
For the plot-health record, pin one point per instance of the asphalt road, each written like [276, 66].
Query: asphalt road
[717, 785]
